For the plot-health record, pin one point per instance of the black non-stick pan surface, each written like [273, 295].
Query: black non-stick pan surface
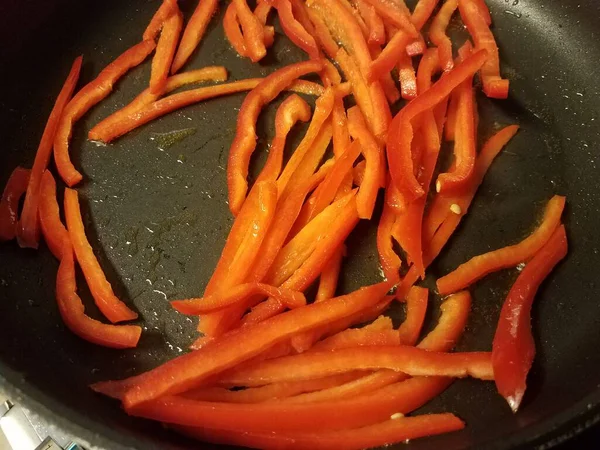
[156, 215]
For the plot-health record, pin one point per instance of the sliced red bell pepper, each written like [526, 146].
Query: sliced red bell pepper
[238, 294]
[374, 174]
[160, 16]
[394, 199]
[295, 31]
[474, 17]
[321, 32]
[252, 29]
[245, 138]
[407, 77]
[72, 310]
[351, 7]
[438, 36]
[510, 256]
[373, 22]
[416, 308]
[392, 94]
[394, 51]
[513, 348]
[392, 11]
[193, 33]
[450, 128]
[292, 110]
[339, 121]
[382, 434]
[112, 308]
[422, 12]
[28, 231]
[262, 10]
[389, 260]
[15, 188]
[55, 233]
[231, 26]
[329, 277]
[86, 98]
[187, 371]
[401, 131]
[357, 337]
[358, 173]
[165, 51]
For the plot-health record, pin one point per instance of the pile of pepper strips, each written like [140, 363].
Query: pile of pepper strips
[310, 381]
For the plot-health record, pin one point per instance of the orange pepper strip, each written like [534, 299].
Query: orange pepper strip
[382, 434]
[513, 348]
[295, 31]
[474, 17]
[510, 256]
[55, 233]
[339, 120]
[329, 277]
[392, 94]
[374, 169]
[407, 77]
[422, 12]
[165, 11]
[165, 51]
[389, 260]
[245, 138]
[253, 31]
[401, 131]
[394, 50]
[72, 312]
[438, 36]
[392, 11]
[321, 32]
[231, 25]
[350, 7]
[416, 308]
[189, 370]
[357, 337]
[86, 98]
[358, 173]
[238, 294]
[373, 22]
[112, 308]
[101, 130]
[450, 130]
[193, 33]
[28, 231]
[15, 188]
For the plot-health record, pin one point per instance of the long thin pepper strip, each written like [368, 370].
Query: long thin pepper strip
[295, 31]
[438, 36]
[113, 308]
[398, 16]
[165, 51]
[392, 52]
[329, 277]
[253, 31]
[54, 232]
[165, 10]
[416, 308]
[233, 33]
[86, 98]
[28, 231]
[14, 189]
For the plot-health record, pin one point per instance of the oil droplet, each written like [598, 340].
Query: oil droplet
[166, 140]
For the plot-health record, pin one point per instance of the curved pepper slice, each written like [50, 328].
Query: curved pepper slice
[193, 33]
[401, 130]
[382, 434]
[416, 308]
[438, 36]
[245, 138]
[389, 260]
[510, 256]
[394, 50]
[28, 232]
[329, 277]
[398, 16]
[88, 96]
[295, 31]
[158, 19]
[475, 19]
[373, 22]
[253, 31]
[72, 310]
[15, 187]
[55, 233]
[357, 337]
[513, 348]
[321, 32]
[231, 25]
[238, 294]
[112, 308]
[165, 51]
[422, 12]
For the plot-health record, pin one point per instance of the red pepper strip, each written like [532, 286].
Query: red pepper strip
[112, 308]
[350, 7]
[392, 94]
[269, 392]
[86, 98]
[389, 260]
[231, 26]
[374, 169]
[252, 29]
[358, 173]
[439, 113]
[510, 256]
[329, 277]
[416, 308]
[409, 360]
[245, 138]
[55, 233]
[238, 294]
[165, 51]
[295, 31]
[193, 33]
[146, 97]
[474, 18]
[357, 337]
[450, 130]
[407, 77]
[291, 110]
[341, 135]
[422, 12]
[15, 188]
[401, 131]
[72, 311]
[438, 36]
[165, 11]
[262, 10]
[392, 11]
[373, 22]
[395, 200]
[382, 434]
[513, 348]
[321, 32]
[28, 232]
[389, 57]
[187, 371]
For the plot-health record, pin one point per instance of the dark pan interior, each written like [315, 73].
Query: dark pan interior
[157, 217]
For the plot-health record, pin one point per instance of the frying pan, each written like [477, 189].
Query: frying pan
[157, 218]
